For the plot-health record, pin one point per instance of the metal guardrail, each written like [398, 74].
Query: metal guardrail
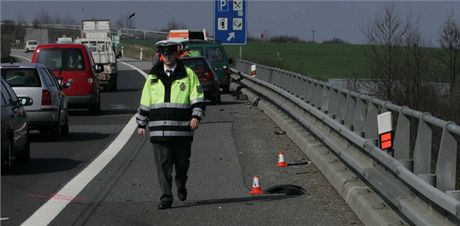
[354, 117]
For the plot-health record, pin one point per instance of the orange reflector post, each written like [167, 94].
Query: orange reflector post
[386, 141]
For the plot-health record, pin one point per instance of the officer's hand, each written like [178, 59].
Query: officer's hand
[194, 123]
[141, 131]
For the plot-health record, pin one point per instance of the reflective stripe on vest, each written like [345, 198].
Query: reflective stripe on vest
[169, 123]
[171, 133]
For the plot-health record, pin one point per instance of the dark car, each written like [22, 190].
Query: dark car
[215, 54]
[74, 64]
[15, 136]
[206, 75]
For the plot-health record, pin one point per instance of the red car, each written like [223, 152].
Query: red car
[74, 64]
[206, 75]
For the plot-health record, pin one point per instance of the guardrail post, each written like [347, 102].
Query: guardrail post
[350, 106]
[422, 150]
[306, 89]
[402, 136]
[270, 76]
[326, 94]
[122, 53]
[341, 107]
[332, 106]
[370, 123]
[140, 55]
[446, 164]
[359, 117]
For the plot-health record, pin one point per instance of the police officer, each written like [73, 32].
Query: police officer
[172, 105]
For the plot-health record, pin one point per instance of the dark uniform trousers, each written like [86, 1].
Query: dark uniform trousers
[166, 155]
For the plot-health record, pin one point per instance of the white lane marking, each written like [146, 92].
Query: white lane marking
[48, 211]
[4, 218]
[24, 58]
[135, 68]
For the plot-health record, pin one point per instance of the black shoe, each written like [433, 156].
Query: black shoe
[182, 193]
[164, 205]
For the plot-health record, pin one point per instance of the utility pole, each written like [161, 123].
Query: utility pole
[313, 35]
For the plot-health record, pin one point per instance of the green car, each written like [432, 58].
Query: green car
[215, 54]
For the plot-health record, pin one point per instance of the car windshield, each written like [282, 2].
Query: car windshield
[32, 42]
[196, 64]
[214, 54]
[21, 77]
[61, 59]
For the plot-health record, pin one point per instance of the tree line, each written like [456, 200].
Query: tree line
[404, 71]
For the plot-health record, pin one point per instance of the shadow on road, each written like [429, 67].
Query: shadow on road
[43, 165]
[75, 136]
[231, 102]
[103, 112]
[247, 200]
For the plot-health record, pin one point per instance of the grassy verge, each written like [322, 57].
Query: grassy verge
[132, 51]
[322, 61]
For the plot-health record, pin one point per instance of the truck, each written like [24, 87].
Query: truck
[96, 35]
[39, 35]
[180, 35]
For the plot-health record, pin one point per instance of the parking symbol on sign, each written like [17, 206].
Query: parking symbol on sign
[223, 24]
[223, 5]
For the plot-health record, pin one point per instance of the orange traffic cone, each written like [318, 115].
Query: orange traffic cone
[256, 188]
[281, 162]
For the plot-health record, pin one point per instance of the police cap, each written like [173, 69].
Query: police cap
[166, 47]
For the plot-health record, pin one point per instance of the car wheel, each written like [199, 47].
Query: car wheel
[24, 157]
[56, 130]
[65, 127]
[7, 160]
[113, 82]
[216, 98]
[226, 88]
[96, 107]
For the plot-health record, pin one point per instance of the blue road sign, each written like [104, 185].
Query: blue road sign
[230, 22]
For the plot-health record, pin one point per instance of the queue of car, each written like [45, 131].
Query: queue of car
[38, 95]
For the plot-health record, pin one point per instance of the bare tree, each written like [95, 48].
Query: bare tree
[120, 22]
[43, 17]
[173, 24]
[385, 39]
[21, 20]
[450, 56]
[68, 20]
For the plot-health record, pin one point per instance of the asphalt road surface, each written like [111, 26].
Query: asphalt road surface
[234, 143]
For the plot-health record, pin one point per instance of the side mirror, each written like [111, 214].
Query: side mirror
[65, 85]
[59, 80]
[25, 101]
[98, 68]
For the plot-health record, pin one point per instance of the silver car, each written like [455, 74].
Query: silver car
[49, 111]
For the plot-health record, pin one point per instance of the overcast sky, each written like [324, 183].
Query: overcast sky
[341, 19]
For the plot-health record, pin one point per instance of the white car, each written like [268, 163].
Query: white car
[30, 46]
[49, 111]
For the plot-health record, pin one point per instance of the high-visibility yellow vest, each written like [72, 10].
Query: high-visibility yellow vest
[169, 103]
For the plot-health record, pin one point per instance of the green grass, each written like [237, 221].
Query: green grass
[321, 61]
[317, 60]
